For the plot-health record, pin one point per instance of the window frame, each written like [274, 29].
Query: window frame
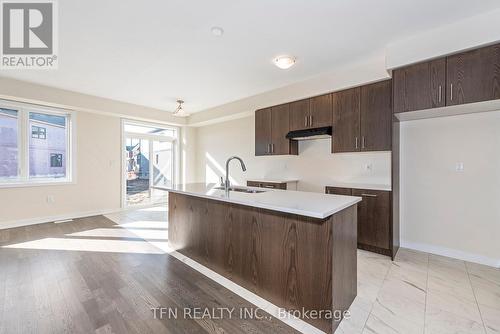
[23, 139]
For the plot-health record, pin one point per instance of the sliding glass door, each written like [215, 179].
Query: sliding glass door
[149, 162]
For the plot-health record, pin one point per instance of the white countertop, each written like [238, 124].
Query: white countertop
[315, 205]
[360, 185]
[274, 180]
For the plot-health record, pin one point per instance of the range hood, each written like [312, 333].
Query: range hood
[316, 133]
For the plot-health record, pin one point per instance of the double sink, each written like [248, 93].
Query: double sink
[242, 190]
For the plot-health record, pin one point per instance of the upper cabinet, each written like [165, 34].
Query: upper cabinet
[346, 105]
[473, 76]
[263, 131]
[376, 116]
[299, 114]
[321, 111]
[362, 118]
[467, 77]
[271, 127]
[420, 86]
[310, 113]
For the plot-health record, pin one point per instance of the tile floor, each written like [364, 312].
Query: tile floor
[416, 293]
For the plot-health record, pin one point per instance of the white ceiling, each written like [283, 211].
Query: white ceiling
[152, 52]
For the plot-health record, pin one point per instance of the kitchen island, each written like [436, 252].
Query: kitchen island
[294, 249]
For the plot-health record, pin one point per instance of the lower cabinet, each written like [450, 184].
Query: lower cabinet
[375, 230]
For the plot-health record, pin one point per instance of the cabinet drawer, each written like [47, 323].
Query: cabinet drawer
[338, 191]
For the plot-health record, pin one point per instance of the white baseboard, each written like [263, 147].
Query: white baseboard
[453, 253]
[34, 221]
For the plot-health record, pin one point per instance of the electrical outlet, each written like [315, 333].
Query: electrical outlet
[50, 199]
[459, 167]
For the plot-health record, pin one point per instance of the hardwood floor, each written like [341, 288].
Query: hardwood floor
[112, 288]
[92, 275]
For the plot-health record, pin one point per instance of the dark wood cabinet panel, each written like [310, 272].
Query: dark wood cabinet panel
[376, 116]
[420, 86]
[299, 114]
[321, 111]
[338, 191]
[271, 127]
[346, 105]
[280, 125]
[374, 218]
[473, 76]
[263, 131]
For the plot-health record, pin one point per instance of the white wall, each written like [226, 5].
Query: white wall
[445, 211]
[98, 183]
[97, 186]
[315, 166]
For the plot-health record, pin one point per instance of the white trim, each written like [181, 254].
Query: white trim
[50, 219]
[453, 253]
[36, 183]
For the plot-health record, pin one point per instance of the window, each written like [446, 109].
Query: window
[35, 144]
[38, 132]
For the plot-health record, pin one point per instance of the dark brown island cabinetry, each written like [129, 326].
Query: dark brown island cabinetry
[362, 118]
[271, 126]
[311, 113]
[466, 77]
[295, 262]
[376, 232]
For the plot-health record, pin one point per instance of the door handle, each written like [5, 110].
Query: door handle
[305, 121]
[310, 120]
[368, 195]
[440, 93]
[363, 142]
[357, 142]
[451, 92]
[272, 148]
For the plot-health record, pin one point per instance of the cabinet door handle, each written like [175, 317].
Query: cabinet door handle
[269, 186]
[305, 121]
[310, 120]
[357, 142]
[363, 142]
[451, 92]
[440, 93]
[268, 148]
[272, 148]
[368, 195]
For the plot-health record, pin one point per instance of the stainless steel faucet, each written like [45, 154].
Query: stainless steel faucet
[227, 184]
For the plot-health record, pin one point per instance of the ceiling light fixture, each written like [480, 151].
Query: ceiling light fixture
[179, 111]
[217, 31]
[284, 62]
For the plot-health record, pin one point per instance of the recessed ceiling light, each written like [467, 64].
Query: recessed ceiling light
[284, 62]
[217, 31]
